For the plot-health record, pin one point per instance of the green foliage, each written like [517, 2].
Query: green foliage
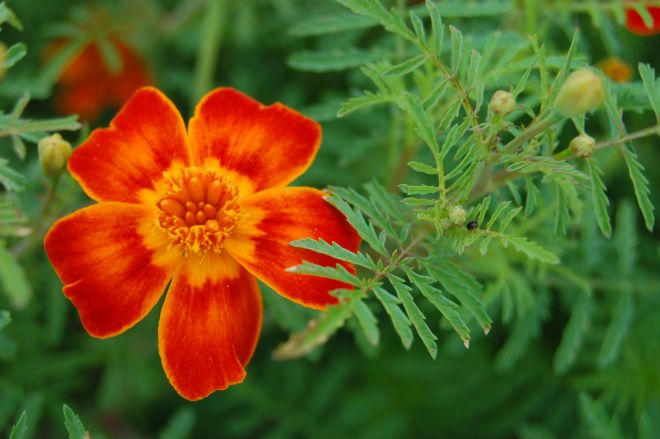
[480, 229]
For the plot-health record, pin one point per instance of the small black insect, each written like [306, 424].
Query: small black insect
[472, 225]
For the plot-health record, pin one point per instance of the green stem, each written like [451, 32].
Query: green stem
[530, 132]
[209, 48]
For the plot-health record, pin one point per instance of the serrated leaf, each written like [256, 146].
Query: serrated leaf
[8, 16]
[599, 425]
[651, 87]
[419, 189]
[418, 27]
[456, 49]
[334, 60]
[640, 184]
[316, 333]
[531, 249]
[423, 168]
[330, 24]
[73, 424]
[416, 316]
[573, 335]
[180, 425]
[368, 321]
[5, 318]
[356, 219]
[464, 287]
[447, 308]
[401, 323]
[19, 429]
[335, 250]
[9, 178]
[406, 66]
[13, 279]
[498, 211]
[366, 100]
[339, 272]
[616, 330]
[599, 199]
[14, 54]
[423, 122]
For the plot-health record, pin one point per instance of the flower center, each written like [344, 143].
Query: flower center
[199, 210]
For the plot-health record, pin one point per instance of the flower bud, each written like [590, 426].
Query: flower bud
[457, 215]
[502, 102]
[582, 91]
[583, 145]
[53, 154]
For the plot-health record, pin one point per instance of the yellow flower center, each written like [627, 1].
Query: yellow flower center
[199, 210]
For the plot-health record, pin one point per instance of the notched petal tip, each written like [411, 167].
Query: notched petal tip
[145, 138]
[271, 145]
[207, 332]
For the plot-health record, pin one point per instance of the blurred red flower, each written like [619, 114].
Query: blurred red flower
[87, 86]
[636, 25]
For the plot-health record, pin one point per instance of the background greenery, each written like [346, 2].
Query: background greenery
[573, 351]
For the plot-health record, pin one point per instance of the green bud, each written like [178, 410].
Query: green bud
[502, 103]
[457, 215]
[582, 91]
[53, 154]
[582, 145]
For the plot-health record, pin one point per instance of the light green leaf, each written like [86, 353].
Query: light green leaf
[73, 425]
[334, 60]
[599, 198]
[330, 24]
[415, 314]
[15, 53]
[13, 279]
[19, 429]
[180, 425]
[401, 323]
[616, 330]
[368, 321]
[315, 334]
[573, 335]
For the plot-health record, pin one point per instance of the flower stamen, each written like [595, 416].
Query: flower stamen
[199, 210]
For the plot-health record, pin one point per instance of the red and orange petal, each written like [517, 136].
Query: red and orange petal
[635, 22]
[106, 269]
[87, 86]
[278, 216]
[271, 146]
[207, 333]
[120, 163]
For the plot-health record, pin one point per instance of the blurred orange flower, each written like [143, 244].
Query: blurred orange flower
[205, 210]
[87, 86]
[636, 25]
[616, 69]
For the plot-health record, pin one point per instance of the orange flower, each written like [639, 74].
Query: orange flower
[207, 209]
[616, 69]
[87, 86]
[636, 25]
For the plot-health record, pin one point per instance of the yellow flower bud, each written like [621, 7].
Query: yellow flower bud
[583, 145]
[3, 59]
[502, 102]
[53, 154]
[457, 215]
[582, 91]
